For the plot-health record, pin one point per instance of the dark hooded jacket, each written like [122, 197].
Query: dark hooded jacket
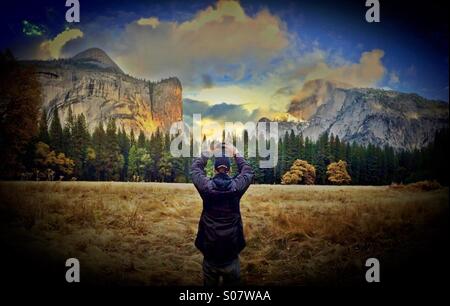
[220, 234]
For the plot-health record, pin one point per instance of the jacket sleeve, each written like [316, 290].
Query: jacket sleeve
[198, 173]
[245, 174]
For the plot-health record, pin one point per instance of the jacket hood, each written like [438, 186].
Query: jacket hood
[222, 181]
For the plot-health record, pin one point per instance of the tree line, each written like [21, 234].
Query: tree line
[366, 165]
[106, 154]
[110, 153]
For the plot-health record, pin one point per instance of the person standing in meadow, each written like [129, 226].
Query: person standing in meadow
[220, 235]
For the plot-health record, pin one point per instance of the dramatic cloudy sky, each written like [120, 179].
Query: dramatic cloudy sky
[246, 58]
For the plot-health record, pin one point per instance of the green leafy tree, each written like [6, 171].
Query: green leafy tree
[165, 167]
[139, 164]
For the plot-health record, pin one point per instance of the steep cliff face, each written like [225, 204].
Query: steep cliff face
[166, 102]
[92, 84]
[363, 115]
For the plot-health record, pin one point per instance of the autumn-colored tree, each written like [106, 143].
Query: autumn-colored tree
[20, 99]
[300, 172]
[47, 159]
[337, 173]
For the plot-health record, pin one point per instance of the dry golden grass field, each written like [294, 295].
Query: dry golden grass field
[143, 233]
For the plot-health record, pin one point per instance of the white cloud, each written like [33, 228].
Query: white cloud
[221, 40]
[366, 73]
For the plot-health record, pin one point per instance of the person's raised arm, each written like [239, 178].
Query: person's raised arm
[245, 172]
[245, 176]
[198, 173]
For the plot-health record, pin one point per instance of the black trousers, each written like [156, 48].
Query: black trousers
[230, 273]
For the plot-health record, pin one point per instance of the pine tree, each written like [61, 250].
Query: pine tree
[342, 149]
[114, 159]
[99, 147]
[165, 167]
[292, 149]
[178, 170]
[133, 164]
[284, 154]
[132, 138]
[372, 170]
[56, 132]
[156, 152]
[333, 149]
[301, 147]
[43, 135]
[356, 164]
[81, 141]
[67, 133]
[141, 140]
[322, 158]
[124, 145]
[309, 150]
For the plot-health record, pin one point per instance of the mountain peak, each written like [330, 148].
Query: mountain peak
[368, 115]
[97, 57]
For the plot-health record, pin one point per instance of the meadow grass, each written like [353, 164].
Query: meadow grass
[143, 233]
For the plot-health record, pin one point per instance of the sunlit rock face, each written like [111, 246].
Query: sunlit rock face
[364, 115]
[92, 84]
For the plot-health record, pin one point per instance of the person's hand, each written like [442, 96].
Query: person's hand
[230, 150]
[217, 149]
